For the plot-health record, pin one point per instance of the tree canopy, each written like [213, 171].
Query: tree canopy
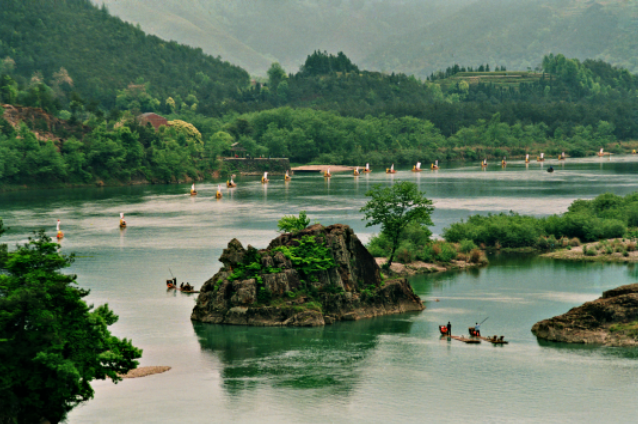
[52, 344]
[395, 208]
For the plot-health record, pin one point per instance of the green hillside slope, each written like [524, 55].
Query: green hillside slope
[102, 54]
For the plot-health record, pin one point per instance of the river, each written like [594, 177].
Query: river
[390, 369]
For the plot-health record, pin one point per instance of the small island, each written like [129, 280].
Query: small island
[611, 320]
[312, 277]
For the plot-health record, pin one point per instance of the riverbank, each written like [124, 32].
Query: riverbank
[612, 250]
[101, 183]
[419, 267]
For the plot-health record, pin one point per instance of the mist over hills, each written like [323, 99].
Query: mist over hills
[516, 33]
[410, 36]
[255, 33]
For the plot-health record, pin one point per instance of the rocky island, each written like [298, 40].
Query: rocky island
[313, 277]
[611, 320]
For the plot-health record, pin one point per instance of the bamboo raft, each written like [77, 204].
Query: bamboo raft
[465, 340]
[494, 341]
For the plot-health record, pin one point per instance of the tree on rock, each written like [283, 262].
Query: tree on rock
[394, 208]
[52, 344]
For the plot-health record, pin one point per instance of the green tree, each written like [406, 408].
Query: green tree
[52, 344]
[291, 223]
[394, 208]
[276, 74]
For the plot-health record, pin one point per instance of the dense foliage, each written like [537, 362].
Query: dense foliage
[395, 208]
[330, 111]
[76, 52]
[606, 216]
[123, 153]
[52, 344]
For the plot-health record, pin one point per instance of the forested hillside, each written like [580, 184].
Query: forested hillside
[99, 55]
[332, 110]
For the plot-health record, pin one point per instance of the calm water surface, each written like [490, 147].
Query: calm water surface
[390, 369]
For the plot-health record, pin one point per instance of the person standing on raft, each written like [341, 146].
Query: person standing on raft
[449, 328]
[477, 329]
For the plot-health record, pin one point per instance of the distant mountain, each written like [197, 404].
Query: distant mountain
[255, 33]
[516, 33]
[410, 36]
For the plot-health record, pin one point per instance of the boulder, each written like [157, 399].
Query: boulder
[350, 288]
[601, 322]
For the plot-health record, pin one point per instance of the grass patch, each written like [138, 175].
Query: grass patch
[629, 329]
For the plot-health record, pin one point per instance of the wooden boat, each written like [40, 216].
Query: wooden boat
[231, 184]
[367, 168]
[473, 332]
[390, 170]
[417, 167]
[466, 340]
[193, 191]
[264, 179]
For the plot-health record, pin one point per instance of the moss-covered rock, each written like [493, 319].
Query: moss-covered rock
[314, 277]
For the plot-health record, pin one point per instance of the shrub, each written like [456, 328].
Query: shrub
[631, 246]
[589, 252]
[609, 250]
[625, 253]
[574, 242]
[404, 256]
[447, 252]
[476, 256]
[291, 223]
[542, 243]
[466, 246]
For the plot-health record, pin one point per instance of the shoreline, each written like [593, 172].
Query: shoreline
[418, 267]
[577, 252]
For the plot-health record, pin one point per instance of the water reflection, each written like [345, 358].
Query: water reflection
[331, 357]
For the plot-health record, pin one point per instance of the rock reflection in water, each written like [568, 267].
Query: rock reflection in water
[329, 357]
